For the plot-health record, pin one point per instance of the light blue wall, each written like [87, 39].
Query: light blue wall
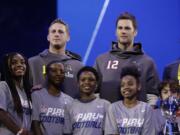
[158, 26]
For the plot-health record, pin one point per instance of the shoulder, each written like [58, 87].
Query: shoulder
[145, 106]
[34, 58]
[68, 99]
[173, 64]
[115, 105]
[103, 101]
[103, 56]
[147, 58]
[39, 92]
[3, 83]
[3, 86]
[39, 56]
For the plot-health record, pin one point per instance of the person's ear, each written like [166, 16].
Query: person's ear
[135, 33]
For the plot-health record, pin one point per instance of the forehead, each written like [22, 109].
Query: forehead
[166, 88]
[125, 22]
[87, 73]
[17, 57]
[57, 66]
[57, 26]
[128, 78]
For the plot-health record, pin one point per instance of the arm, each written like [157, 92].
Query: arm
[8, 122]
[148, 126]
[110, 123]
[36, 125]
[36, 128]
[5, 117]
[67, 121]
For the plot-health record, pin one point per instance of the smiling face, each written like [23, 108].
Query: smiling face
[56, 74]
[17, 65]
[87, 83]
[129, 87]
[58, 36]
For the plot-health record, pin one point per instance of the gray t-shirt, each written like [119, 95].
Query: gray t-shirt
[72, 66]
[87, 118]
[7, 104]
[129, 121]
[49, 110]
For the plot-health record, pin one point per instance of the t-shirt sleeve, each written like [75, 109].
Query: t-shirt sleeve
[110, 122]
[106, 106]
[67, 120]
[35, 107]
[4, 96]
[148, 126]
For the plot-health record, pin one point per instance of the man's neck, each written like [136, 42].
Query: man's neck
[57, 51]
[125, 47]
[54, 91]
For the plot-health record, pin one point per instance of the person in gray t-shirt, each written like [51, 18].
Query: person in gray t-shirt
[49, 103]
[87, 114]
[129, 116]
[15, 101]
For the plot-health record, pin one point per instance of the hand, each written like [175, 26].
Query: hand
[23, 131]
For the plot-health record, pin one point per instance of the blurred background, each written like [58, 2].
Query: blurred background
[24, 25]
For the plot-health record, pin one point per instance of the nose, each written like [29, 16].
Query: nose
[123, 31]
[19, 64]
[60, 73]
[86, 81]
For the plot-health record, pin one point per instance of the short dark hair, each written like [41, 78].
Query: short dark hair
[173, 85]
[60, 21]
[131, 70]
[127, 16]
[90, 69]
[49, 65]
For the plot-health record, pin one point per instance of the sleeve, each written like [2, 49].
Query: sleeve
[110, 122]
[152, 82]
[67, 121]
[148, 126]
[4, 96]
[106, 106]
[35, 107]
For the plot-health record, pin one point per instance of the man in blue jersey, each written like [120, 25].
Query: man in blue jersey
[125, 52]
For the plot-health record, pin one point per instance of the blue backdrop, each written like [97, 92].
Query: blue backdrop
[92, 27]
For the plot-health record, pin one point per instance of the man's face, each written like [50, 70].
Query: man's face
[129, 87]
[56, 74]
[125, 32]
[87, 83]
[58, 36]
